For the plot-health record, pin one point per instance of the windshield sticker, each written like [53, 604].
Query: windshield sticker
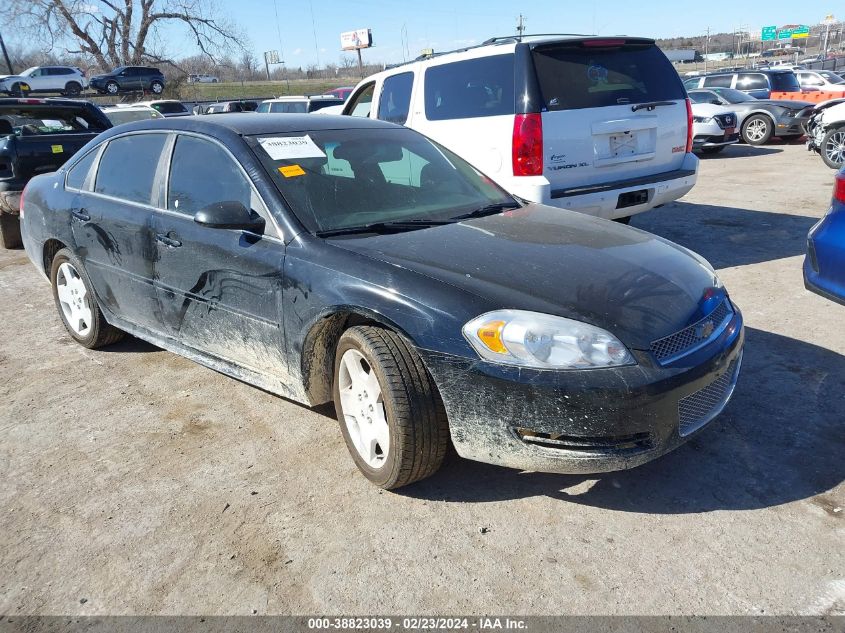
[289, 171]
[597, 74]
[287, 147]
[57, 149]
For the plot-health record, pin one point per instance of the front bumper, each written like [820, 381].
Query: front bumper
[714, 140]
[790, 126]
[584, 421]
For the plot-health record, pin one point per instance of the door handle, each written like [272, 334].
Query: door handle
[80, 214]
[168, 241]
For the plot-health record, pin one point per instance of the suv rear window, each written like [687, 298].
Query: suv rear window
[751, 81]
[170, 107]
[468, 89]
[574, 76]
[785, 82]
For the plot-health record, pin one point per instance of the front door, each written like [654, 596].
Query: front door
[219, 290]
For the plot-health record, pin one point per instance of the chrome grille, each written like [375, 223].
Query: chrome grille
[697, 409]
[725, 120]
[672, 347]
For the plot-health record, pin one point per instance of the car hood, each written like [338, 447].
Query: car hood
[709, 109]
[784, 103]
[634, 284]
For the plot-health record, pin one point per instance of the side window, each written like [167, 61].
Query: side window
[79, 173]
[395, 100]
[718, 81]
[810, 79]
[690, 84]
[405, 171]
[469, 89]
[752, 81]
[264, 107]
[128, 166]
[359, 104]
[202, 173]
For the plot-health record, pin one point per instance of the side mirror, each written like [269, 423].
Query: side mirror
[229, 215]
[715, 102]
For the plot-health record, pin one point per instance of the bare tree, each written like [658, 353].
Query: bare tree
[248, 65]
[119, 32]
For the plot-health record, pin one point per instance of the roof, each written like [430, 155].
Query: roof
[249, 123]
[291, 98]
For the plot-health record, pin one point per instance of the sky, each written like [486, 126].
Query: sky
[308, 31]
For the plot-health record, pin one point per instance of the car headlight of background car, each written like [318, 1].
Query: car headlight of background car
[702, 119]
[543, 341]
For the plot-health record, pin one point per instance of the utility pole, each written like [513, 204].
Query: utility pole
[520, 26]
[706, 49]
[6, 55]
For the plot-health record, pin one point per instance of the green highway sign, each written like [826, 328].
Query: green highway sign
[785, 34]
[801, 31]
[769, 33]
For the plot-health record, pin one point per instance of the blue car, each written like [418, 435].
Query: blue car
[824, 266]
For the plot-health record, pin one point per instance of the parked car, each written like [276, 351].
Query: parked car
[342, 92]
[824, 265]
[824, 80]
[757, 83]
[598, 125]
[333, 109]
[203, 79]
[758, 120]
[826, 132]
[126, 114]
[64, 80]
[298, 105]
[129, 79]
[226, 106]
[37, 136]
[338, 259]
[714, 128]
[168, 107]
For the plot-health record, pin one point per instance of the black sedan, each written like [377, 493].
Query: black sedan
[759, 119]
[355, 261]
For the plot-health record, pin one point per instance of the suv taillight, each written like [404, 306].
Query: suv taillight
[839, 187]
[689, 126]
[527, 145]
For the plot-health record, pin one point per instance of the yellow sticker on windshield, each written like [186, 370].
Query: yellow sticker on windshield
[58, 149]
[289, 171]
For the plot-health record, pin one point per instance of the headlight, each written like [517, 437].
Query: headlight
[532, 339]
[702, 119]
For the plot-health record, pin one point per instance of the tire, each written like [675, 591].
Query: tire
[712, 150]
[73, 89]
[757, 129]
[156, 87]
[112, 88]
[10, 230]
[77, 303]
[408, 405]
[832, 148]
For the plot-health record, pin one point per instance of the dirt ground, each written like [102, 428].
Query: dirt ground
[133, 481]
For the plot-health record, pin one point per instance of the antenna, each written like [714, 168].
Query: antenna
[520, 25]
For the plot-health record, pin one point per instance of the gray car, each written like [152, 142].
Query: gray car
[759, 119]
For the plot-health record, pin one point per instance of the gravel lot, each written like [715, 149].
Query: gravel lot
[136, 482]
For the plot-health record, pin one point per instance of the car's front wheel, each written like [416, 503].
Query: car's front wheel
[390, 411]
[757, 129]
[833, 148]
[112, 88]
[156, 87]
[78, 309]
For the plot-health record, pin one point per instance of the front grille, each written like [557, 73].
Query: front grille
[671, 348]
[697, 409]
[635, 442]
[726, 120]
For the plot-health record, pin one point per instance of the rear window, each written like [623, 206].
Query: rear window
[33, 121]
[468, 89]
[289, 107]
[573, 76]
[718, 81]
[171, 107]
[785, 82]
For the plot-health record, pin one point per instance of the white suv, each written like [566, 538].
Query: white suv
[66, 80]
[598, 125]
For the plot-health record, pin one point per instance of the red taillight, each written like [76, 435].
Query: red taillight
[839, 187]
[689, 126]
[528, 145]
[603, 43]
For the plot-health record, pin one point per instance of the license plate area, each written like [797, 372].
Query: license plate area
[623, 144]
[632, 198]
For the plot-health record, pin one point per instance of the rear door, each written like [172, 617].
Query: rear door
[598, 125]
[754, 84]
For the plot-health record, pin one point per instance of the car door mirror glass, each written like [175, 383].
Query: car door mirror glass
[229, 215]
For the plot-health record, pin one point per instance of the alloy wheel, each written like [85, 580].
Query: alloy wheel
[834, 149]
[74, 299]
[756, 130]
[363, 408]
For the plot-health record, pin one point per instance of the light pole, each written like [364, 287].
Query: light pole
[6, 55]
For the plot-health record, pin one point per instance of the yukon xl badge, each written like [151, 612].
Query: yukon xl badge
[568, 166]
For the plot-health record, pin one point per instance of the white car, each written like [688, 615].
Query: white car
[202, 79]
[826, 132]
[65, 80]
[299, 105]
[824, 80]
[599, 125]
[332, 109]
[127, 113]
[168, 107]
[714, 128]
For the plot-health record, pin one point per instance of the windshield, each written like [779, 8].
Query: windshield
[832, 77]
[733, 96]
[170, 107]
[337, 179]
[37, 119]
[126, 115]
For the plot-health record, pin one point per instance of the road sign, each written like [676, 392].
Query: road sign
[769, 33]
[785, 34]
[801, 31]
[271, 57]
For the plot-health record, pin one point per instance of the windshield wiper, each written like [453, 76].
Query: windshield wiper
[651, 106]
[382, 227]
[489, 209]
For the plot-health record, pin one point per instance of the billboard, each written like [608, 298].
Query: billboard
[354, 40]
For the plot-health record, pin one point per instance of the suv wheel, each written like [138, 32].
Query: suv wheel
[156, 87]
[833, 148]
[72, 89]
[757, 129]
[112, 88]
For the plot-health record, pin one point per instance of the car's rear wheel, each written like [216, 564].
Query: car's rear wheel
[78, 309]
[833, 148]
[712, 150]
[390, 412]
[10, 231]
[757, 129]
[156, 87]
[112, 88]
[73, 88]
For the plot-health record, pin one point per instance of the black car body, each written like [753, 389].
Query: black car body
[38, 136]
[129, 79]
[269, 304]
[758, 83]
[780, 117]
